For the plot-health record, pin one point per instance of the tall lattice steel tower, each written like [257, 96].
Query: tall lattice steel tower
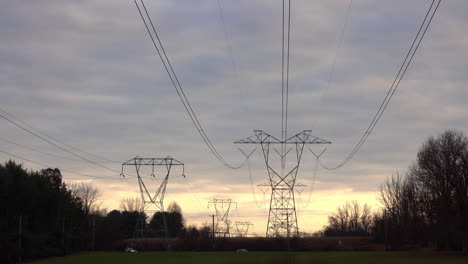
[151, 203]
[282, 219]
[242, 228]
[222, 208]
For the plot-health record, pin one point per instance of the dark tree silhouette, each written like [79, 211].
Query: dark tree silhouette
[131, 204]
[88, 194]
[430, 203]
[349, 220]
[51, 218]
[173, 218]
[441, 171]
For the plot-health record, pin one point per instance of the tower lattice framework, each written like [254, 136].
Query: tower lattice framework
[151, 202]
[242, 228]
[222, 209]
[282, 218]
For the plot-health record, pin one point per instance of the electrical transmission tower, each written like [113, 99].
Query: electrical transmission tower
[151, 202]
[222, 207]
[282, 219]
[242, 228]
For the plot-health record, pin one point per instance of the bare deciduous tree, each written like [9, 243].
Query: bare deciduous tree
[430, 203]
[131, 204]
[366, 218]
[442, 172]
[88, 195]
[350, 219]
[174, 208]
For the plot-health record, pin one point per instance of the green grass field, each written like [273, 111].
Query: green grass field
[259, 257]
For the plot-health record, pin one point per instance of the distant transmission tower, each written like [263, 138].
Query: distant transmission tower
[151, 203]
[282, 219]
[242, 228]
[222, 207]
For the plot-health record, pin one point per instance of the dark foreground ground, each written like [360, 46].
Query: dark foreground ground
[259, 257]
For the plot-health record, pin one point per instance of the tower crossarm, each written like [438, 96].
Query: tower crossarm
[151, 203]
[282, 218]
[262, 137]
[222, 208]
[153, 162]
[304, 137]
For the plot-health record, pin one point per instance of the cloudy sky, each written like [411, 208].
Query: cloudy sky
[85, 72]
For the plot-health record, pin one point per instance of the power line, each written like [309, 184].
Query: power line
[282, 78]
[55, 139]
[249, 169]
[186, 103]
[314, 178]
[38, 151]
[396, 82]
[194, 193]
[176, 83]
[48, 166]
[285, 37]
[337, 49]
[230, 53]
[54, 144]
[287, 72]
[227, 39]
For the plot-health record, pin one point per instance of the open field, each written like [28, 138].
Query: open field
[260, 257]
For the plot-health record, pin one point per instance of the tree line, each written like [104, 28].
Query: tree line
[428, 206]
[41, 216]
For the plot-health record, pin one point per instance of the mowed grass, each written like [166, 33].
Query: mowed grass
[259, 257]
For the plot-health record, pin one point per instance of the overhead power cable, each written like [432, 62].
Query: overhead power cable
[55, 144]
[285, 38]
[227, 39]
[335, 56]
[249, 169]
[287, 73]
[48, 166]
[176, 83]
[312, 184]
[285, 41]
[55, 139]
[38, 151]
[194, 193]
[396, 82]
[282, 79]
[285, 67]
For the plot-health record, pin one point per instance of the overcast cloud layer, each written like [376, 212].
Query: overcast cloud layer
[85, 72]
